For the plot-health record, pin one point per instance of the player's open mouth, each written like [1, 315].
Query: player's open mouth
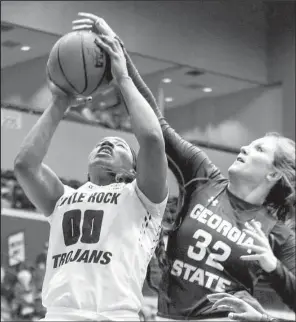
[105, 150]
[239, 159]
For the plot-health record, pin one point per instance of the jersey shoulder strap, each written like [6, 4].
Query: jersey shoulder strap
[67, 191]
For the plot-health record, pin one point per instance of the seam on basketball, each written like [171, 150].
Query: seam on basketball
[105, 71]
[84, 65]
[59, 61]
[57, 85]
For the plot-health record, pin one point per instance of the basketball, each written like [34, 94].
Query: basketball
[76, 64]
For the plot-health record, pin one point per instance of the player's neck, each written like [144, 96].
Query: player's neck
[102, 180]
[253, 194]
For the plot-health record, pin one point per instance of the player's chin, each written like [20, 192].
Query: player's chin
[237, 167]
[233, 168]
[105, 160]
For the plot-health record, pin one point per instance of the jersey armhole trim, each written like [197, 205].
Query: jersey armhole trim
[67, 189]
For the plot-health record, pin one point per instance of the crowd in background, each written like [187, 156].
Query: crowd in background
[21, 287]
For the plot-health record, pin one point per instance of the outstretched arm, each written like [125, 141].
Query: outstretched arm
[151, 160]
[283, 282]
[185, 159]
[282, 278]
[40, 183]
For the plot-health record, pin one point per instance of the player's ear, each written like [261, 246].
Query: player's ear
[274, 176]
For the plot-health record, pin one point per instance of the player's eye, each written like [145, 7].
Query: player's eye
[259, 148]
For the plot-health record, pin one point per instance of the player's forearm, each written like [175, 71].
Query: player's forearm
[141, 86]
[268, 318]
[284, 283]
[177, 149]
[144, 122]
[37, 141]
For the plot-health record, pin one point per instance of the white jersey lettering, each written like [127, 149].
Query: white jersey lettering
[101, 241]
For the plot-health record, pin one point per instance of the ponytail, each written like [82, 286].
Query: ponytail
[281, 198]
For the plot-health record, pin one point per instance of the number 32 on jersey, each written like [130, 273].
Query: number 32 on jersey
[199, 251]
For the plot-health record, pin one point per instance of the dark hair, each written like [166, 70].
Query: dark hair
[134, 154]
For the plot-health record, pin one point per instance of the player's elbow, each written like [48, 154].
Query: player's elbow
[154, 137]
[154, 140]
[21, 166]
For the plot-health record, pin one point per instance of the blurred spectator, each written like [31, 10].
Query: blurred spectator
[39, 271]
[41, 258]
[5, 309]
[20, 200]
[7, 187]
[19, 297]
[24, 294]
[7, 294]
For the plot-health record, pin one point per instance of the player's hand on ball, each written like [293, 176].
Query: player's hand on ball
[263, 252]
[94, 23]
[116, 54]
[66, 100]
[241, 310]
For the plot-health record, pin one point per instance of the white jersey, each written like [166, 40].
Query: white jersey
[101, 241]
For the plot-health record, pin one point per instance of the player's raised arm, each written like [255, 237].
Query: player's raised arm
[185, 159]
[40, 183]
[151, 160]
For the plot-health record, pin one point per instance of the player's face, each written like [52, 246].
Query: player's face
[112, 153]
[255, 161]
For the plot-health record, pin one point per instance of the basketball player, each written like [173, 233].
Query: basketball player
[104, 233]
[206, 246]
[208, 240]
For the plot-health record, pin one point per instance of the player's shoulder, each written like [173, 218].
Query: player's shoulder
[129, 188]
[91, 187]
[281, 232]
[68, 190]
[208, 187]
